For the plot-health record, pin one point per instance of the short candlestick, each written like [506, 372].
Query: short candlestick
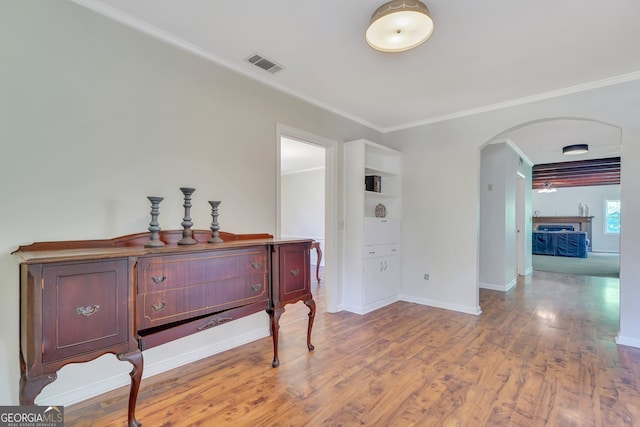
[154, 227]
[215, 235]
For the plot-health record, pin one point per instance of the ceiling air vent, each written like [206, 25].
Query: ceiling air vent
[264, 63]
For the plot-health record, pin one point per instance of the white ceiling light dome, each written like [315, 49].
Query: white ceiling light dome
[399, 25]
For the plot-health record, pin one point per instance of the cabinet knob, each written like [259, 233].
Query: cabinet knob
[87, 311]
[256, 287]
[256, 265]
[159, 306]
[160, 279]
[295, 272]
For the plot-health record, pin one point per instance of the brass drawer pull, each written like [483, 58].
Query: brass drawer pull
[160, 279]
[256, 265]
[295, 272]
[159, 306]
[214, 322]
[87, 311]
[256, 287]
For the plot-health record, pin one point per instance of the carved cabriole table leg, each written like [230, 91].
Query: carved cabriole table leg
[312, 314]
[316, 246]
[274, 315]
[135, 358]
[31, 387]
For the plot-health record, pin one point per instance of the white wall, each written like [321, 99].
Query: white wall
[441, 183]
[630, 233]
[302, 206]
[565, 201]
[499, 168]
[492, 252]
[440, 215]
[94, 117]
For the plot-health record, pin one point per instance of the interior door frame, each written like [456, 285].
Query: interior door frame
[521, 249]
[332, 283]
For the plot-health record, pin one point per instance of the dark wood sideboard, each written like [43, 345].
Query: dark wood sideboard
[82, 299]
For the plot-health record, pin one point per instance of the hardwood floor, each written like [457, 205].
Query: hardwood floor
[541, 354]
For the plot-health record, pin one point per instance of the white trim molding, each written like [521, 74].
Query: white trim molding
[441, 304]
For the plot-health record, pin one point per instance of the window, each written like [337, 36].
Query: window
[612, 216]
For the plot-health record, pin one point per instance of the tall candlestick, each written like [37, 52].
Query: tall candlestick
[187, 234]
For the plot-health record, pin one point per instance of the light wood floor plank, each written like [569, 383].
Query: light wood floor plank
[542, 354]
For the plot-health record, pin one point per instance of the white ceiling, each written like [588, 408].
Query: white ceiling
[483, 55]
[299, 156]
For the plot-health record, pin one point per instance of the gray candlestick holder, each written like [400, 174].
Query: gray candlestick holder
[187, 234]
[215, 235]
[154, 227]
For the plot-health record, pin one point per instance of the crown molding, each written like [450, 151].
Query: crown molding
[610, 81]
[171, 39]
[166, 37]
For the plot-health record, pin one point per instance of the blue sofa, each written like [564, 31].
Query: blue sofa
[560, 243]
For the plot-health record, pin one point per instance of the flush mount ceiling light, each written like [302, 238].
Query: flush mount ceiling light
[571, 150]
[397, 26]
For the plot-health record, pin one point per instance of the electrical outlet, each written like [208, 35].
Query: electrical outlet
[426, 276]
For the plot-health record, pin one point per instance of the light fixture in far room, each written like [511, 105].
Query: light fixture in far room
[399, 25]
[546, 188]
[571, 150]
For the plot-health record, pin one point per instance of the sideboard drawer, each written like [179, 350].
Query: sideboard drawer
[159, 273]
[154, 337]
[84, 308]
[172, 305]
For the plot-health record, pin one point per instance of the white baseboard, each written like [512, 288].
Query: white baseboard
[440, 304]
[503, 288]
[88, 391]
[202, 352]
[338, 308]
[631, 342]
[371, 307]
[108, 384]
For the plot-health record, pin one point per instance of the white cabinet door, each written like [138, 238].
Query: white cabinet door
[381, 279]
[381, 231]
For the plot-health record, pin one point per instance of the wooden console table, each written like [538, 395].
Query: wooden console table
[580, 223]
[82, 299]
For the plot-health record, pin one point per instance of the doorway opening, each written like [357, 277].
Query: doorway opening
[307, 202]
[302, 194]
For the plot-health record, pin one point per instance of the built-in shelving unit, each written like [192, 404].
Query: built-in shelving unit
[372, 243]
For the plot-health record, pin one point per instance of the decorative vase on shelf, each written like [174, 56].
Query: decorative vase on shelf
[380, 211]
